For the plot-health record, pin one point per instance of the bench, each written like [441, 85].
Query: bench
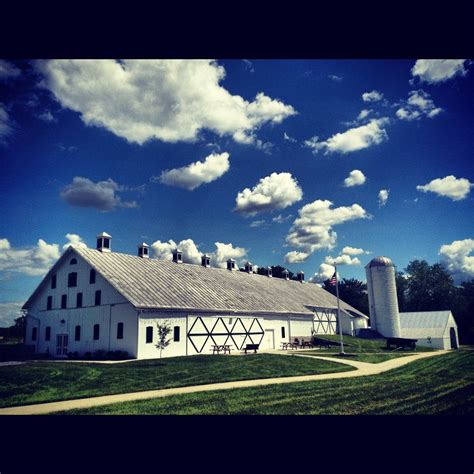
[250, 347]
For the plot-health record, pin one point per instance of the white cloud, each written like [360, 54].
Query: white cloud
[47, 116]
[280, 218]
[6, 128]
[418, 105]
[434, 71]
[260, 223]
[457, 259]
[286, 137]
[248, 65]
[167, 100]
[296, 257]
[8, 70]
[277, 191]
[383, 197]
[449, 186]
[343, 259]
[9, 312]
[192, 254]
[74, 240]
[83, 192]
[32, 261]
[192, 176]
[363, 114]
[312, 230]
[335, 78]
[326, 271]
[373, 96]
[353, 139]
[355, 178]
[352, 251]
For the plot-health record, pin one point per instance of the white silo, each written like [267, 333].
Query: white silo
[383, 303]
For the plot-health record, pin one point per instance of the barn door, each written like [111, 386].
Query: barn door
[452, 335]
[61, 345]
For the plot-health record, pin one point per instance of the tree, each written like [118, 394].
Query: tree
[163, 331]
[351, 291]
[401, 281]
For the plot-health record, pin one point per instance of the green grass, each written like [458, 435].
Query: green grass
[356, 345]
[372, 358]
[52, 381]
[442, 384]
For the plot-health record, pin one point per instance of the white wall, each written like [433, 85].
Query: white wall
[114, 308]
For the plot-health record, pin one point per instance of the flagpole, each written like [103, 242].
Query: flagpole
[339, 311]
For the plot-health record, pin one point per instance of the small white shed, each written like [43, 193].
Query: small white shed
[436, 329]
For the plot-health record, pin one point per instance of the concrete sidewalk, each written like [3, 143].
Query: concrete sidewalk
[362, 369]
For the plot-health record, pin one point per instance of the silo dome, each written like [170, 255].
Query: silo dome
[380, 262]
[382, 292]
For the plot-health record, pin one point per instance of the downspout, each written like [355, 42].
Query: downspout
[110, 323]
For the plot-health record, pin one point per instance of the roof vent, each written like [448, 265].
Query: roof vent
[143, 250]
[286, 274]
[104, 242]
[206, 261]
[300, 276]
[177, 256]
[269, 272]
[249, 267]
[231, 264]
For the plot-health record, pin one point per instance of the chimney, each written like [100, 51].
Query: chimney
[249, 267]
[269, 272]
[206, 261]
[143, 250]
[300, 276]
[286, 274]
[231, 264]
[104, 242]
[177, 256]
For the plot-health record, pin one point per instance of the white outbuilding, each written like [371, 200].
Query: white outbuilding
[435, 329]
[100, 300]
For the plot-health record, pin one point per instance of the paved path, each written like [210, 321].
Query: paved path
[362, 369]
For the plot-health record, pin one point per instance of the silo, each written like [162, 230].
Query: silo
[383, 303]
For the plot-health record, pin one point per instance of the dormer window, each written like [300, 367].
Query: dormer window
[231, 264]
[73, 262]
[104, 242]
[177, 256]
[143, 250]
[249, 267]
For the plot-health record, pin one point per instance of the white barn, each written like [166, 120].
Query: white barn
[435, 329]
[95, 299]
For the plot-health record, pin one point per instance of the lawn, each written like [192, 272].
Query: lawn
[39, 382]
[357, 345]
[372, 358]
[442, 384]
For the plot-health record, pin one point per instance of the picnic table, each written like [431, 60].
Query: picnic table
[290, 345]
[225, 348]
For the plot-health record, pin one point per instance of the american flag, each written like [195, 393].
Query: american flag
[333, 280]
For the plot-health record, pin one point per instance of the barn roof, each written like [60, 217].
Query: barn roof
[422, 324]
[153, 283]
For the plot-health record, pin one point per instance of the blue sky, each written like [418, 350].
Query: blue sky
[105, 145]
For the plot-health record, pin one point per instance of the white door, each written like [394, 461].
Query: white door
[61, 345]
[270, 338]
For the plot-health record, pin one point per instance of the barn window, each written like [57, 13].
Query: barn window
[63, 301]
[79, 300]
[53, 282]
[34, 332]
[96, 332]
[98, 297]
[149, 334]
[49, 304]
[283, 332]
[73, 262]
[72, 279]
[92, 277]
[176, 334]
[77, 333]
[47, 333]
[120, 331]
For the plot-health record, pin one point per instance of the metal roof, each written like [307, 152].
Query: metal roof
[153, 283]
[380, 262]
[424, 323]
